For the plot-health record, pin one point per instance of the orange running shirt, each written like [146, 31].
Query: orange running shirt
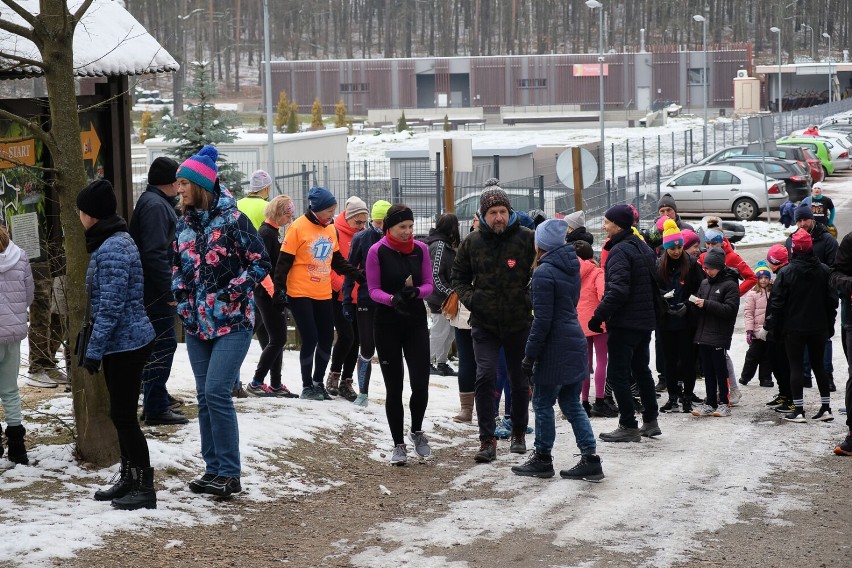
[312, 246]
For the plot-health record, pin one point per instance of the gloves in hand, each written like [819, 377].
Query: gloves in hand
[749, 336]
[761, 335]
[349, 312]
[91, 365]
[398, 303]
[410, 293]
[595, 325]
[360, 277]
[527, 366]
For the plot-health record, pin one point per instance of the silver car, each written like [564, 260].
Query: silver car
[717, 188]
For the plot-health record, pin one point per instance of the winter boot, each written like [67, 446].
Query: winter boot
[142, 494]
[122, 483]
[15, 441]
[588, 469]
[487, 451]
[466, 412]
[346, 391]
[601, 409]
[537, 465]
[332, 383]
[518, 444]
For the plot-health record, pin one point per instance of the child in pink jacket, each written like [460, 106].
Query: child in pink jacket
[591, 292]
[756, 300]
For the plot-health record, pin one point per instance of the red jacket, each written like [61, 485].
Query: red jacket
[591, 292]
[344, 242]
[735, 261]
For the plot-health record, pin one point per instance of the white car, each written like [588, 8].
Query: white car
[717, 188]
[838, 145]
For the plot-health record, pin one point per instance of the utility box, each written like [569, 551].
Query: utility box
[746, 93]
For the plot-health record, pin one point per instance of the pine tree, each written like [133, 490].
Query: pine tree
[340, 114]
[293, 121]
[146, 126]
[282, 112]
[202, 124]
[261, 122]
[402, 125]
[447, 125]
[316, 116]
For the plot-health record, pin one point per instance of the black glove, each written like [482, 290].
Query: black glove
[91, 365]
[527, 366]
[280, 301]
[224, 297]
[181, 295]
[360, 277]
[349, 312]
[410, 292]
[678, 310]
[595, 325]
[398, 303]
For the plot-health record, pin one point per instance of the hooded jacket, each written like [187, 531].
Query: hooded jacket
[152, 227]
[556, 340]
[16, 289]
[682, 290]
[825, 245]
[345, 233]
[359, 248]
[628, 300]
[579, 234]
[802, 301]
[442, 255]
[717, 318]
[592, 283]
[735, 261]
[840, 278]
[756, 302]
[491, 275]
[219, 260]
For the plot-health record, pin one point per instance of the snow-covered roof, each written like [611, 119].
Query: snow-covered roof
[107, 41]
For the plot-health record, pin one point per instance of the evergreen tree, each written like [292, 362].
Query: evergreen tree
[145, 126]
[202, 124]
[293, 121]
[402, 125]
[316, 116]
[447, 125]
[282, 112]
[340, 114]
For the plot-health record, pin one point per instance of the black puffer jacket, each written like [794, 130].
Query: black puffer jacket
[628, 300]
[802, 301]
[580, 234]
[717, 318]
[442, 255]
[840, 278]
[491, 275]
[152, 227]
[682, 290]
[825, 245]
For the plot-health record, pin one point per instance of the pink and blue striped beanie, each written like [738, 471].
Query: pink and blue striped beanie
[201, 168]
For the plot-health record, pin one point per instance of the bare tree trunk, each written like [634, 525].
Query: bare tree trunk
[237, 54]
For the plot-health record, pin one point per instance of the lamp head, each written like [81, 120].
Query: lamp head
[699, 18]
[593, 4]
[775, 30]
[826, 35]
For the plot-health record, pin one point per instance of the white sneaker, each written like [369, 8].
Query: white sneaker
[400, 455]
[722, 411]
[702, 410]
[57, 376]
[735, 396]
[40, 380]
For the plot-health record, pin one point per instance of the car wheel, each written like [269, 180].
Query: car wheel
[824, 173]
[745, 209]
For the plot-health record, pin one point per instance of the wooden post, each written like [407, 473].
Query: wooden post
[449, 190]
[578, 179]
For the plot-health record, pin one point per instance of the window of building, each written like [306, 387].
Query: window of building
[696, 75]
[532, 83]
[355, 87]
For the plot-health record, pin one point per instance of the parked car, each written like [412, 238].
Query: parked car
[839, 147]
[797, 153]
[797, 179]
[817, 146]
[715, 188]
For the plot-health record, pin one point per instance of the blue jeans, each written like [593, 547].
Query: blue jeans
[467, 360]
[155, 397]
[568, 397]
[215, 363]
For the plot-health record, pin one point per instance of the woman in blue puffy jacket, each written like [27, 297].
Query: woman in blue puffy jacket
[555, 356]
[121, 340]
[219, 260]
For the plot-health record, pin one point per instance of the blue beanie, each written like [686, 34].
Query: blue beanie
[201, 168]
[714, 236]
[320, 199]
[621, 215]
[803, 212]
[551, 234]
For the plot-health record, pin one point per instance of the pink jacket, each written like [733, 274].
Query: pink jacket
[755, 309]
[591, 292]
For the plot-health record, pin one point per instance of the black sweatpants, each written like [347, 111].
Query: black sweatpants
[679, 360]
[715, 374]
[345, 351]
[316, 328]
[123, 374]
[847, 342]
[397, 336]
[272, 336]
[795, 346]
[757, 360]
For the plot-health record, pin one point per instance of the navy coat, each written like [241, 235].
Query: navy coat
[556, 340]
[628, 300]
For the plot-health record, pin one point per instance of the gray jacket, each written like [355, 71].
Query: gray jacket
[16, 289]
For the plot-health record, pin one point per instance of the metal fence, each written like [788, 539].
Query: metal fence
[634, 169]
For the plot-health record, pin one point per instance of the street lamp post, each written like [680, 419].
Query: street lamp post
[704, 72]
[776, 30]
[270, 139]
[595, 5]
[828, 37]
[811, 53]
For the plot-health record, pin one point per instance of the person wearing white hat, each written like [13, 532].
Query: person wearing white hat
[253, 205]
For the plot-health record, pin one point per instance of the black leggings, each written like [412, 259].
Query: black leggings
[272, 335]
[679, 356]
[123, 374]
[366, 337]
[397, 336]
[796, 345]
[345, 351]
[316, 328]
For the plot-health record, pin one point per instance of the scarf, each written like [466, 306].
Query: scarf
[405, 247]
[102, 230]
[312, 217]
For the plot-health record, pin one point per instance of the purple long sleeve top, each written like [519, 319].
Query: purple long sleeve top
[375, 270]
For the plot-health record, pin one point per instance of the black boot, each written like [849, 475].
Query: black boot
[122, 484]
[15, 440]
[1, 441]
[142, 494]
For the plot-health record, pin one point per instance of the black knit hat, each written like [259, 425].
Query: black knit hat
[621, 215]
[97, 199]
[162, 171]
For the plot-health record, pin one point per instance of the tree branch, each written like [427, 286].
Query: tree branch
[22, 60]
[19, 10]
[81, 10]
[21, 31]
[33, 127]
